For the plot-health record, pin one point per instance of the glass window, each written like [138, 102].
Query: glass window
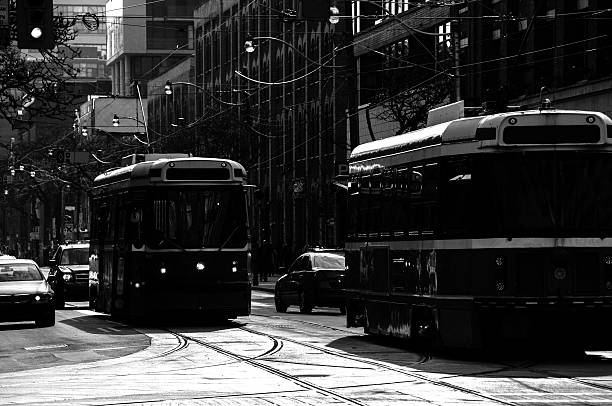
[543, 193]
[75, 256]
[19, 272]
[328, 262]
[197, 218]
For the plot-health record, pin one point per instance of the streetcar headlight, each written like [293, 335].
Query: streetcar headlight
[560, 273]
[37, 298]
[200, 266]
[512, 120]
[162, 270]
[590, 119]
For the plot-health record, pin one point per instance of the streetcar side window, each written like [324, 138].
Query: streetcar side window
[456, 197]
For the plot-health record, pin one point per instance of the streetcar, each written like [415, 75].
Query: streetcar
[171, 237]
[485, 231]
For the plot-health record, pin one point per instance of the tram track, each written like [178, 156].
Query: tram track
[385, 366]
[278, 341]
[253, 361]
[425, 357]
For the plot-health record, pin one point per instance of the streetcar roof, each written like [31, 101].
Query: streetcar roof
[456, 131]
[149, 169]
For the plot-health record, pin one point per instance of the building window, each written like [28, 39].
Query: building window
[522, 24]
[464, 42]
[444, 34]
[582, 4]
[496, 34]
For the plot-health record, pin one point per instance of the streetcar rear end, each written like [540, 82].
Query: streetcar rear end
[502, 232]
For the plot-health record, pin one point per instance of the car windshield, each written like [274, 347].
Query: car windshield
[75, 256]
[19, 272]
[328, 262]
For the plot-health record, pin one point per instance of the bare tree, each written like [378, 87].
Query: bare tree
[39, 81]
[409, 107]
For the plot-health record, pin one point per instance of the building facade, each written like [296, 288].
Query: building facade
[292, 104]
[289, 92]
[144, 39]
[511, 52]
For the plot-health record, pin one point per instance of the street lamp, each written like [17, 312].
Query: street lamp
[168, 91]
[334, 15]
[116, 123]
[249, 46]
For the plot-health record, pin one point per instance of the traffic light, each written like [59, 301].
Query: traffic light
[35, 24]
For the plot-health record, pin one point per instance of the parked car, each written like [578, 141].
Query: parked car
[69, 273]
[313, 279]
[25, 294]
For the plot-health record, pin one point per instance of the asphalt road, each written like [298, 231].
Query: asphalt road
[271, 358]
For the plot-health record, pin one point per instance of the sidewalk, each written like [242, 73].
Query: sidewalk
[267, 286]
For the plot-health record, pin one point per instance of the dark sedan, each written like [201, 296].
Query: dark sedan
[314, 279]
[25, 294]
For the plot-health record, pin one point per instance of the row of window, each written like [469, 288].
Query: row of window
[493, 195]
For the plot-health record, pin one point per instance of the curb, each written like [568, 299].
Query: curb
[264, 288]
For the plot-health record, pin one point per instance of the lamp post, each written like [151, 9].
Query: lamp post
[116, 122]
[144, 116]
[168, 90]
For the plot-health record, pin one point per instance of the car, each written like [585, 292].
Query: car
[313, 279]
[69, 273]
[25, 294]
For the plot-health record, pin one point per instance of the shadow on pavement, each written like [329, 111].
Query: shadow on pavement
[17, 326]
[518, 363]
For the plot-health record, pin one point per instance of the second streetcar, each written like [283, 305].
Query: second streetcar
[171, 236]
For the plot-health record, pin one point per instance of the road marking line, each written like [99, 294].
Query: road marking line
[45, 347]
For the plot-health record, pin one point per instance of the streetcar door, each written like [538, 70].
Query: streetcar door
[105, 260]
[120, 253]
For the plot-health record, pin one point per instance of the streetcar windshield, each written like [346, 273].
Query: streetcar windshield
[197, 218]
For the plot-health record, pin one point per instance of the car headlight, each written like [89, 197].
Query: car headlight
[42, 297]
[67, 277]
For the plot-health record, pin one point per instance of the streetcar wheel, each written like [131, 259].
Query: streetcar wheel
[281, 307]
[305, 305]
